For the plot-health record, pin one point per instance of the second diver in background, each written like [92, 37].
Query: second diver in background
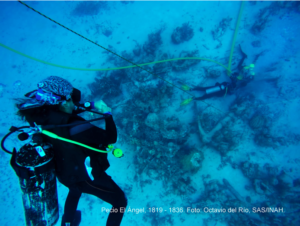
[240, 78]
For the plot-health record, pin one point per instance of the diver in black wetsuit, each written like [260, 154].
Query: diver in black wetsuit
[238, 79]
[52, 104]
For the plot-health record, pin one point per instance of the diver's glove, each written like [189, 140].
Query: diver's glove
[87, 163]
[102, 107]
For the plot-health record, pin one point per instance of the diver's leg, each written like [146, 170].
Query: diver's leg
[107, 190]
[119, 202]
[71, 205]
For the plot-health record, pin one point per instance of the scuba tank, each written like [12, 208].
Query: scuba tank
[34, 165]
[214, 89]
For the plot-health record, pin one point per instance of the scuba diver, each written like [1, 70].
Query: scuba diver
[82, 170]
[239, 79]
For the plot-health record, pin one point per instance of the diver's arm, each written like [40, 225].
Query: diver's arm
[111, 130]
[95, 135]
[110, 127]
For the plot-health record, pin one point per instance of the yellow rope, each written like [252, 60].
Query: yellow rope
[234, 36]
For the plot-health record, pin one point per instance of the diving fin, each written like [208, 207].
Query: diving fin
[185, 87]
[185, 102]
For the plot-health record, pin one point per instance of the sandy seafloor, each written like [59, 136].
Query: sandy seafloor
[28, 32]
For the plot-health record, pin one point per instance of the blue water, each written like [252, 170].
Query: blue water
[232, 159]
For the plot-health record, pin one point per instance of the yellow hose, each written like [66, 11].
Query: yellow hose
[54, 136]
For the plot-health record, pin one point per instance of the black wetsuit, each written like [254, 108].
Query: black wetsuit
[102, 186]
[70, 168]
